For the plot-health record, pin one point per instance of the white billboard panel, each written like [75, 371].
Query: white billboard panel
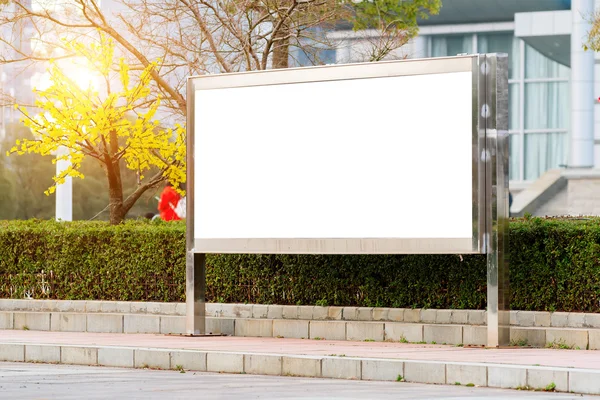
[288, 165]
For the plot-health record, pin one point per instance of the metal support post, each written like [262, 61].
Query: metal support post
[496, 132]
[195, 263]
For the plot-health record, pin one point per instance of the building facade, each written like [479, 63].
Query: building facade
[552, 87]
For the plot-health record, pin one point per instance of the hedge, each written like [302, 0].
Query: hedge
[555, 265]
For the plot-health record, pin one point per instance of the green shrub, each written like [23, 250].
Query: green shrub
[555, 265]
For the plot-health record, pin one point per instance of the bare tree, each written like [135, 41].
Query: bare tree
[191, 37]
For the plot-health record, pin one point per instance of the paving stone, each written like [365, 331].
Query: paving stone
[350, 313]
[225, 326]
[260, 364]
[152, 307]
[449, 334]
[335, 313]
[423, 372]
[254, 327]
[428, 316]
[330, 330]
[359, 331]
[459, 317]
[576, 338]
[525, 318]
[141, 323]
[172, 324]
[528, 336]
[592, 320]
[12, 352]
[576, 320]
[260, 311]
[79, 355]
[475, 335]
[213, 309]
[396, 314]
[6, 320]
[320, 313]
[340, 368]
[236, 310]
[290, 312]
[542, 319]
[115, 357]
[189, 360]
[167, 309]
[380, 314]
[305, 312]
[73, 306]
[290, 329]
[382, 370]
[109, 307]
[364, 313]
[301, 366]
[68, 322]
[398, 332]
[559, 319]
[160, 359]
[44, 354]
[539, 378]
[412, 315]
[275, 312]
[594, 339]
[34, 321]
[104, 323]
[584, 382]
[180, 309]
[225, 362]
[465, 374]
[92, 306]
[443, 316]
[477, 317]
[507, 377]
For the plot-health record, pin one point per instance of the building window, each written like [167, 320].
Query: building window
[538, 100]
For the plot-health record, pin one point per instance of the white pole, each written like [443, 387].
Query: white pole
[582, 87]
[64, 192]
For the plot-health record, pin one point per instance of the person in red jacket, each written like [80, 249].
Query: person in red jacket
[167, 203]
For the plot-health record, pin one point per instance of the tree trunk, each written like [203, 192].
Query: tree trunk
[115, 194]
[281, 46]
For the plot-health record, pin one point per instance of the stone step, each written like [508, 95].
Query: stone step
[118, 351]
[455, 334]
[333, 313]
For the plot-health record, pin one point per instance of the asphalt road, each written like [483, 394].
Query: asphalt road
[44, 381]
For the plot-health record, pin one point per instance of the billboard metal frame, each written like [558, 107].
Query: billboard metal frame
[490, 181]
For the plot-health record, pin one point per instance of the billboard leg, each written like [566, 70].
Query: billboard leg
[497, 140]
[194, 293]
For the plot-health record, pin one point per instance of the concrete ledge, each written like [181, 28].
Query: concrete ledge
[193, 360]
[68, 322]
[79, 355]
[35, 321]
[584, 381]
[141, 323]
[225, 362]
[152, 358]
[425, 372]
[12, 352]
[116, 357]
[6, 320]
[259, 364]
[105, 323]
[41, 353]
[341, 368]
[272, 312]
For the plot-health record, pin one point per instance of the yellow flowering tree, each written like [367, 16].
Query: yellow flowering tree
[114, 124]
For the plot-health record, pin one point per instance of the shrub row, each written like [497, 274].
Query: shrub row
[555, 265]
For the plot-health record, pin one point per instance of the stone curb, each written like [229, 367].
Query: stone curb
[574, 380]
[454, 334]
[541, 319]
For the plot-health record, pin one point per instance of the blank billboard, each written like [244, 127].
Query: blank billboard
[314, 160]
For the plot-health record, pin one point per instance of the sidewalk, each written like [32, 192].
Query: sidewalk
[570, 370]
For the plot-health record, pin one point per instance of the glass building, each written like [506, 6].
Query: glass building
[544, 40]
